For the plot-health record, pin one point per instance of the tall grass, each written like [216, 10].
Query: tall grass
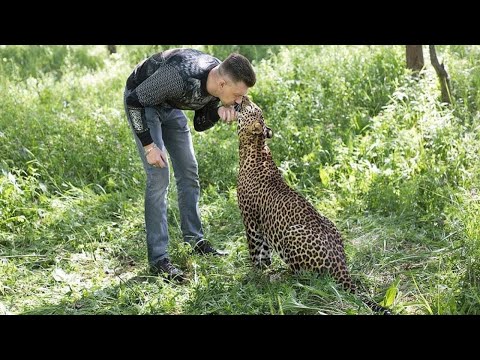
[371, 147]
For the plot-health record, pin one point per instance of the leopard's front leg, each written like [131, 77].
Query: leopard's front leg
[260, 252]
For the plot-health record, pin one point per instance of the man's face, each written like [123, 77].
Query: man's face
[232, 93]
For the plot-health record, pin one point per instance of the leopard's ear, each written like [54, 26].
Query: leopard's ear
[269, 133]
[256, 128]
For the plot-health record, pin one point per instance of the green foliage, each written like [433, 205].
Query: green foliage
[254, 53]
[370, 147]
[20, 62]
[133, 54]
[332, 92]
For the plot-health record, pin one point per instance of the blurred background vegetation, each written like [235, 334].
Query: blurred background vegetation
[371, 146]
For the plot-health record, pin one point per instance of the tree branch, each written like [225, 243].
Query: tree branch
[442, 75]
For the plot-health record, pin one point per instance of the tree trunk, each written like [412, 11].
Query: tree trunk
[415, 58]
[442, 75]
[112, 49]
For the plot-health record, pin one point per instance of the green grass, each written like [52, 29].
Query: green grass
[370, 147]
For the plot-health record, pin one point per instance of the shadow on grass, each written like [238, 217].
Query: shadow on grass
[214, 287]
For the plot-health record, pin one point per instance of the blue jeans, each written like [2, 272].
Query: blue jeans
[170, 131]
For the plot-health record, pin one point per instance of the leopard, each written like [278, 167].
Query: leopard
[277, 217]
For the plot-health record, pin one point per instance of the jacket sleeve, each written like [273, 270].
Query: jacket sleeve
[207, 116]
[163, 84]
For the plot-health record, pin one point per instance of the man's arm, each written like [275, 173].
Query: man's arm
[207, 116]
[163, 84]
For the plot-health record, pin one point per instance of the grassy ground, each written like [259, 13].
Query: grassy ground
[370, 147]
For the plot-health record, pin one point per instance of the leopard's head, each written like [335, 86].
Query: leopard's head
[250, 120]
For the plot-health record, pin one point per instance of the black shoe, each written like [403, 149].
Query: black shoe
[203, 247]
[165, 267]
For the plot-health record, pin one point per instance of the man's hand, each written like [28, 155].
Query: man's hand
[155, 156]
[227, 114]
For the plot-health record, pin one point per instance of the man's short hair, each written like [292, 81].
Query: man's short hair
[238, 68]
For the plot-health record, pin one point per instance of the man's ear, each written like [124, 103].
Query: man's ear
[256, 128]
[221, 82]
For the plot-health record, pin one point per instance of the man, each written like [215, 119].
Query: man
[156, 92]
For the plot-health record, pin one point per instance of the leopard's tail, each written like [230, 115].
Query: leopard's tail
[348, 284]
[373, 305]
